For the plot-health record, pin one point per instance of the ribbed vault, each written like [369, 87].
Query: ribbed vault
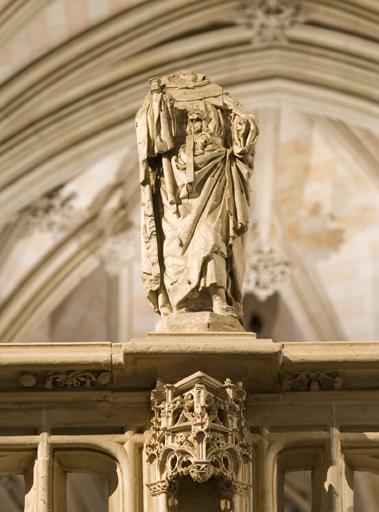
[84, 94]
[73, 104]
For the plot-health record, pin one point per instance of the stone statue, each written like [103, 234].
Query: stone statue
[196, 147]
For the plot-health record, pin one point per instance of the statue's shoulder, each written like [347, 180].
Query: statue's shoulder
[233, 104]
[186, 86]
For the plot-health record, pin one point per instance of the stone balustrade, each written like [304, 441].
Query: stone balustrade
[239, 414]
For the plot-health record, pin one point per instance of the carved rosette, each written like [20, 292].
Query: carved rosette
[272, 18]
[199, 430]
[266, 271]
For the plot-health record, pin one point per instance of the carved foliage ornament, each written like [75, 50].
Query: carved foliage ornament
[198, 430]
[76, 379]
[311, 381]
[55, 213]
[271, 18]
[67, 379]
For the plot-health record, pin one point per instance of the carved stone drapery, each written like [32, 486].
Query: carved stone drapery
[198, 430]
[196, 147]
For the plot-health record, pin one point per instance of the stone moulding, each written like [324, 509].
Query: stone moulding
[260, 363]
[199, 430]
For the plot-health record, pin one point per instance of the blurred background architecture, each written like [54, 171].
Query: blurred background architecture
[72, 75]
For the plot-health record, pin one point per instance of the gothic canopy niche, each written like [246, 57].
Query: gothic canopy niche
[199, 431]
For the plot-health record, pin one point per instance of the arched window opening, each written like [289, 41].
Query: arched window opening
[300, 478]
[297, 491]
[16, 480]
[366, 491]
[86, 491]
[12, 492]
[363, 479]
[86, 480]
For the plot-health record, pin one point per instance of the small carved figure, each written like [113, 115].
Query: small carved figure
[196, 146]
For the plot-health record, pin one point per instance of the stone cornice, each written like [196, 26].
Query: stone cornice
[301, 354]
[138, 363]
[109, 384]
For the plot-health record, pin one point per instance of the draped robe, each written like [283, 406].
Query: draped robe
[196, 147]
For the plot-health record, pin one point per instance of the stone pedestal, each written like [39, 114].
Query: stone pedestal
[199, 322]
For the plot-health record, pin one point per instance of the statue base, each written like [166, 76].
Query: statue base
[198, 321]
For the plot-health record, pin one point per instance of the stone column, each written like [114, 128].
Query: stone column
[43, 474]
